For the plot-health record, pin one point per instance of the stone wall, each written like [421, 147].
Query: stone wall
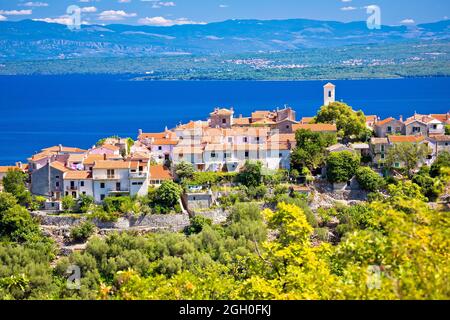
[217, 216]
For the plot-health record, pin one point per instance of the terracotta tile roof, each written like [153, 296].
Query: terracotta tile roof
[222, 112]
[64, 149]
[159, 172]
[241, 121]
[307, 120]
[77, 175]
[440, 138]
[41, 155]
[159, 135]
[75, 157]
[379, 141]
[444, 118]
[283, 137]
[406, 139]
[90, 159]
[385, 121]
[213, 132]
[59, 166]
[329, 85]
[109, 164]
[192, 125]
[263, 122]
[4, 169]
[371, 118]
[318, 127]
[110, 147]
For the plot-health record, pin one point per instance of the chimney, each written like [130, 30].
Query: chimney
[240, 116]
[401, 118]
[60, 148]
[139, 132]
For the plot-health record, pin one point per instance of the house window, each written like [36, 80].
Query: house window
[329, 94]
[102, 197]
[57, 177]
[84, 193]
[57, 184]
[389, 129]
[382, 156]
[246, 154]
[110, 173]
[288, 127]
[159, 148]
[213, 154]
[382, 148]
[397, 165]
[416, 129]
[434, 126]
[102, 185]
[82, 183]
[224, 121]
[446, 144]
[245, 140]
[257, 139]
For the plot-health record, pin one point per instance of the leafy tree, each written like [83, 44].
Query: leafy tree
[442, 161]
[311, 147]
[368, 179]
[85, 203]
[342, 166]
[14, 182]
[431, 187]
[447, 129]
[251, 174]
[409, 155]
[349, 123]
[184, 170]
[68, 204]
[7, 201]
[168, 195]
[198, 223]
[17, 225]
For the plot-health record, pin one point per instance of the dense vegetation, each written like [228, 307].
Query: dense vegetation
[416, 59]
[394, 247]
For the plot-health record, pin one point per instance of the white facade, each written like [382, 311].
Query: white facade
[329, 94]
[78, 187]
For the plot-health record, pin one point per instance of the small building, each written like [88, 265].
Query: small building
[77, 183]
[389, 126]
[159, 174]
[378, 151]
[197, 201]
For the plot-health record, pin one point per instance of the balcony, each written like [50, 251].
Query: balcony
[138, 175]
[106, 177]
[71, 188]
[118, 191]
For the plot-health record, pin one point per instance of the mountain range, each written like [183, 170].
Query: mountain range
[35, 40]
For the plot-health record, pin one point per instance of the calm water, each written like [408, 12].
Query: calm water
[40, 111]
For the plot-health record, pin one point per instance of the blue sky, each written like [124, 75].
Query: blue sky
[170, 12]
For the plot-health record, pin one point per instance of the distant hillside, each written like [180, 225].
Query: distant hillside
[32, 40]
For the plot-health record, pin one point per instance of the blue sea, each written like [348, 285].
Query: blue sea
[77, 110]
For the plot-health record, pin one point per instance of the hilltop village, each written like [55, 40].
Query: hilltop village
[266, 206]
[227, 144]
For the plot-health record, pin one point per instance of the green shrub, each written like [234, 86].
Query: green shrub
[197, 224]
[68, 204]
[82, 232]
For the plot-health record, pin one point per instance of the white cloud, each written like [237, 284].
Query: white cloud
[3, 18]
[348, 8]
[15, 12]
[115, 15]
[163, 22]
[89, 9]
[346, 1]
[124, 1]
[34, 4]
[223, 6]
[160, 4]
[67, 20]
[407, 21]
